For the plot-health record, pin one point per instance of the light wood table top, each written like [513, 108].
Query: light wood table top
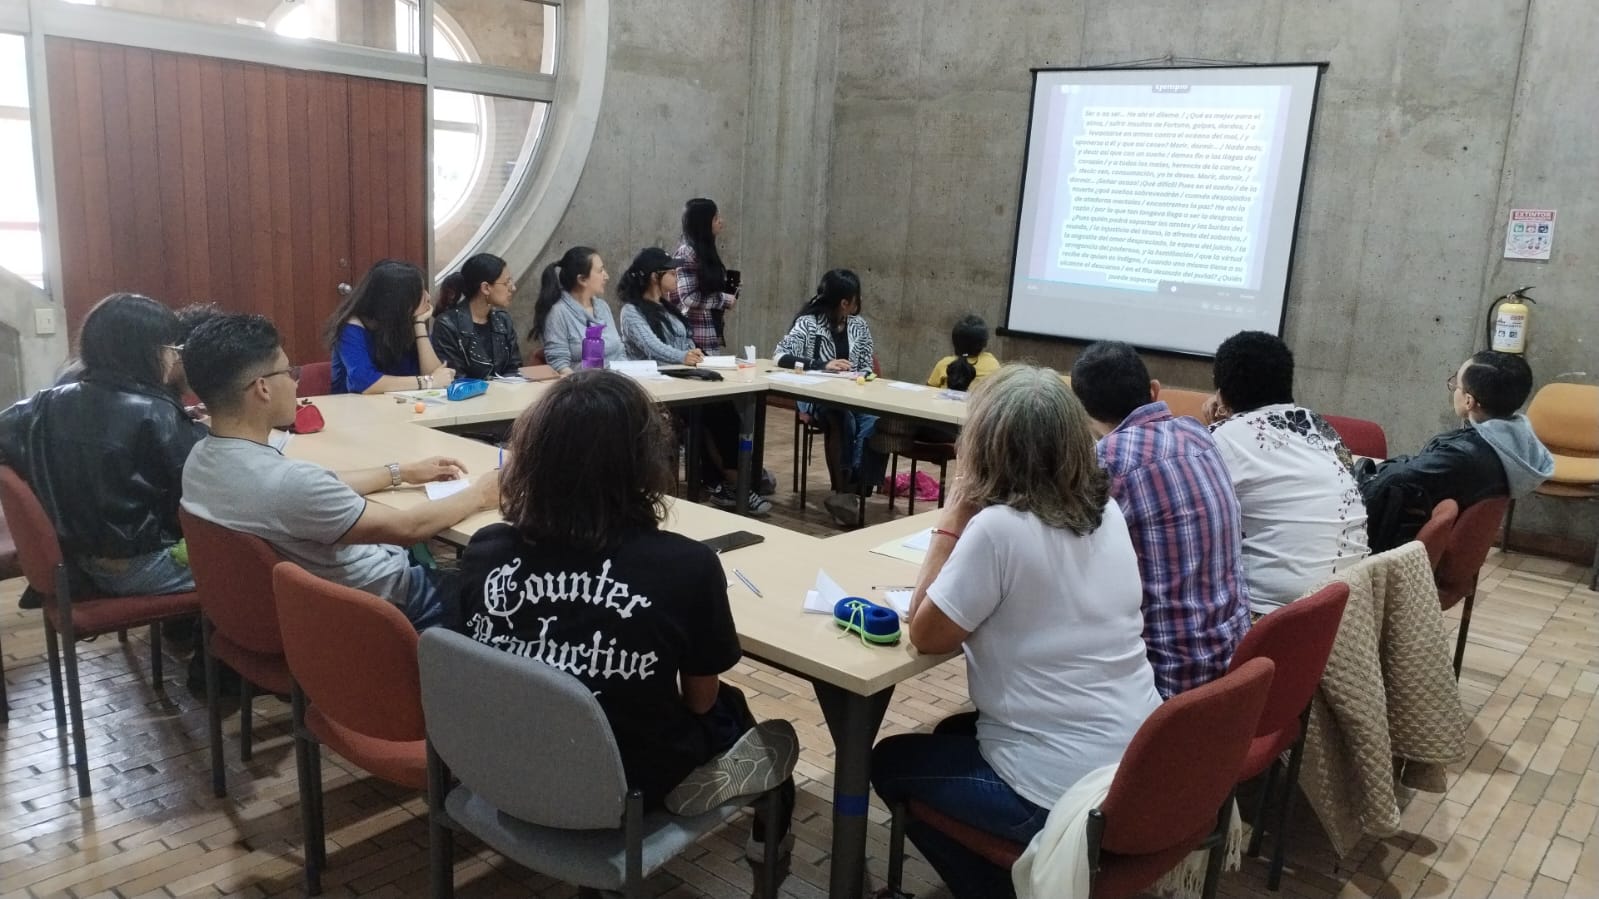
[879, 396]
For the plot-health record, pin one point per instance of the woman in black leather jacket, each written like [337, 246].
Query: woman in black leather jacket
[105, 453]
[472, 331]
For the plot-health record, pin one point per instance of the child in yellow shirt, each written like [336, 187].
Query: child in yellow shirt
[971, 361]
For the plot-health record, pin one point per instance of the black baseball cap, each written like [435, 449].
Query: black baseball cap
[654, 259]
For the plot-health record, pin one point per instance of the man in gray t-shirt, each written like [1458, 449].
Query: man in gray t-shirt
[316, 518]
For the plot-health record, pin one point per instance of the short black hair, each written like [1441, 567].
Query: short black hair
[1254, 369]
[193, 316]
[223, 352]
[123, 337]
[1499, 382]
[969, 337]
[1111, 380]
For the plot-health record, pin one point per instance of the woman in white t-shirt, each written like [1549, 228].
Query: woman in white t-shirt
[1031, 573]
[1302, 514]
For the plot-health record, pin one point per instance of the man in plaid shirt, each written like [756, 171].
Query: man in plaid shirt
[1172, 484]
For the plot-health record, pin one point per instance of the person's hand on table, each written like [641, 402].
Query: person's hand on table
[838, 365]
[442, 376]
[693, 357]
[433, 468]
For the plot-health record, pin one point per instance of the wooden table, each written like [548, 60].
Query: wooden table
[853, 682]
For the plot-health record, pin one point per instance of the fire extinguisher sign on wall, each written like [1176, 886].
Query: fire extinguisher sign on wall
[1530, 234]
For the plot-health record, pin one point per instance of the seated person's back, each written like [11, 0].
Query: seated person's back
[313, 516]
[1302, 514]
[105, 452]
[971, 362]
[1494, 453]
[1168, 476]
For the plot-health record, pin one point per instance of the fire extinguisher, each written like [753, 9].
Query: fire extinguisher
[1507, 321]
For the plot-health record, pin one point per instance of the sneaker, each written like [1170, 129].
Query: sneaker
[761, 760]
[721, 496]
[844, 507]
[758, 505]
[768, 483]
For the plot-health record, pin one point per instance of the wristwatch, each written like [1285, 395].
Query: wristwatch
[394, 474]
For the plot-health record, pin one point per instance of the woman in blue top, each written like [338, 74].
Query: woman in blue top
[379, 335]
[569, 304]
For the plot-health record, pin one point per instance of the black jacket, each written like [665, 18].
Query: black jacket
[105, 458]
[1401, 492]
[455, 339]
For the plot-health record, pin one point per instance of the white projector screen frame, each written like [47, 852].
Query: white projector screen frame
[1077, 272]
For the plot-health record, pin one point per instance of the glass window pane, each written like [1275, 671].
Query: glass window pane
[13, 71]
[514, 34]
[380, 24]
[476, 167]
[21, 248]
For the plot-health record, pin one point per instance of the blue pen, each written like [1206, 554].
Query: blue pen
[502, 458]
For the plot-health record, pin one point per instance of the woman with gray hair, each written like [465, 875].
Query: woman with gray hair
[1032, 574]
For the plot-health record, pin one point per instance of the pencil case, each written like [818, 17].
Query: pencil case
[875, 623]
[466, 388]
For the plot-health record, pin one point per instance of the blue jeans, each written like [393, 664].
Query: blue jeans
[866, 465]
[945, 770]
[424, 598]
[152, 574]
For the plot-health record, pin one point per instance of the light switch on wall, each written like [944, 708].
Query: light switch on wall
[44, 321]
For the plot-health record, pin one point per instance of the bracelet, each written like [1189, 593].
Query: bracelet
[941, 532]
[418, 382]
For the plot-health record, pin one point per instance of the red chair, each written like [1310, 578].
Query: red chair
[1172, 792]
[316, 379]
[1362, 437]
[357, 689]
[238, 625]
[76, 618]
[1463, 557]
[1435, 533]
[1298, 638]
[8, 569]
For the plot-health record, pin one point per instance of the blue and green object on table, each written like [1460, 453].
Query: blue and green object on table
[874, 623]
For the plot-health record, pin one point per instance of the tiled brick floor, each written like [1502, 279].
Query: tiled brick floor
[1519, 818]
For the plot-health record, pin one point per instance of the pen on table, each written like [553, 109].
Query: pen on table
[893, 586]
[748, 583]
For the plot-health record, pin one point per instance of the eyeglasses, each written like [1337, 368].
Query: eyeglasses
[292, 371]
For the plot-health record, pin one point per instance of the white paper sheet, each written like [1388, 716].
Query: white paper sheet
[900, 600]
[822, 598]
[783, 377]
[912, 549]
[919, 541]
[905, 385]
[719, 362]
[638, 369]
[442, 489]
[510, 379]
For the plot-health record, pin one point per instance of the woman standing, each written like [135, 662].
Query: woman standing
[569, 304]
[1032, 574]
[379, 334]
[829, 334]
[704, 291]
[473, 332]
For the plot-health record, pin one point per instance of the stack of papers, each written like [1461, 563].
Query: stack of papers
[642, 370]
[783, 377]
[824, 597]
[719, 362]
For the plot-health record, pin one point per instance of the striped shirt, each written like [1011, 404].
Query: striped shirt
[1169, 478]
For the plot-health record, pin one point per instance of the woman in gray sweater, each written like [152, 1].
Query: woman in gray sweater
[569, 303]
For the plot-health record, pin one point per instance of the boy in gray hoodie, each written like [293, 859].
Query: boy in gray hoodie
[1494, 453]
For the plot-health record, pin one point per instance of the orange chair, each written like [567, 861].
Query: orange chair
[1361, 437]
[1435, 533]
[238, 625]
[1298, 638]
[1463, 557]
[316, 379]
[1184, 402]
[1172, 792]
[357, 689]
[1566, 419]
[76, 618]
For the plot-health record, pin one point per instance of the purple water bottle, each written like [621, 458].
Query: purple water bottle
[594, 346]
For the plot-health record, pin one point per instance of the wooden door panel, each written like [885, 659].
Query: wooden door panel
[261, 188]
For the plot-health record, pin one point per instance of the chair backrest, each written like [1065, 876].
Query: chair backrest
[1566, 418]
[316, 379]
[1362, 437]
[1435, 533]
[1297, 638]
[1469, 542]
[553, 763]
[1184, 402]
[353, 654]
[1184, 762]
[233, 575]
[38, 550]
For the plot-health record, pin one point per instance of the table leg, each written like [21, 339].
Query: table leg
[853, 720]
[691, 453]
[746, 449]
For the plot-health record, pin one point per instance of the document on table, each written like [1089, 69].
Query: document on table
[783, 377]
[905, 385]
[511, 379]
[442, 489]
[899, 600]
[719, 362]
[912, 549]
[824, 597]
[638, 369]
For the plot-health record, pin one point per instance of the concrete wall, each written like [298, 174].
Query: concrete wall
[1410, 178]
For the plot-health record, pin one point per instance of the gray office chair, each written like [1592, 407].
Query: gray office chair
[540, 777]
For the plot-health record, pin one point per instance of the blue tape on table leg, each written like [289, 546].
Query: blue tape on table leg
[852, 806]
[745, 444]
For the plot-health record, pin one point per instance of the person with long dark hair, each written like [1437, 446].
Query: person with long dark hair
[652, 328]
[105, 452]
[829, 334]
[972, 360]
[570, 302]
[657, 632]
[472, 330]
[379, 335]
[704, 292]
